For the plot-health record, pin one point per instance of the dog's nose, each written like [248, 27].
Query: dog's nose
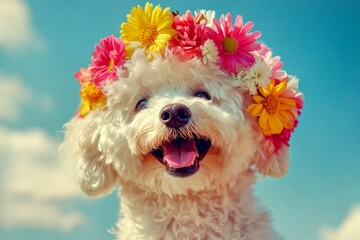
[175, 115]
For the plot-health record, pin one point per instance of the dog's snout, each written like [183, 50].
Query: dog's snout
[175, 115]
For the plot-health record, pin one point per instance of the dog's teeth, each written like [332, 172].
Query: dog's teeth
[191, 163]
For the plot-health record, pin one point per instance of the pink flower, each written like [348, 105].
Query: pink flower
[83, 76]
[234, 44]
[274, 62]
[190, 36]
[105, 60]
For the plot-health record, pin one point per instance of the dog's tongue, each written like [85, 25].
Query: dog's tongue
[180, 153]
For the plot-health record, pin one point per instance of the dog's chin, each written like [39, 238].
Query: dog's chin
[181, 157]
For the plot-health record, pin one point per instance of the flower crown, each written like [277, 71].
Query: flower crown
[215, 42]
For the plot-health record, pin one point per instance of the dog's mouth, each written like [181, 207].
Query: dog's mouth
[181, 156]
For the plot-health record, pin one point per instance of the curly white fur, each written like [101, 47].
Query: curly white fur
[114, 144]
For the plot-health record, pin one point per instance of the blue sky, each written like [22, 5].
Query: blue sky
[42, 43]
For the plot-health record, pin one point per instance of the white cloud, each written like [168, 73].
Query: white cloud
[349, 229]
[16, 26]
[40, 215]
[35, 183]
[15, 95]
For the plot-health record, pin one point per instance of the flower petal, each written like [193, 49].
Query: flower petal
[255, 109]
[271, 86]
[287, 101]
[263, 121]
[280, 88]
[275, 124]
[286, 104]
[258, 99]
[84, 108]
[286, 119]
[264, 92]
[251, 108]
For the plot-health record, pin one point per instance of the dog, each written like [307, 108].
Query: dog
[185, 137]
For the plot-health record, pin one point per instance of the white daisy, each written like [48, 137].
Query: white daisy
[257, 75]
[209, 52]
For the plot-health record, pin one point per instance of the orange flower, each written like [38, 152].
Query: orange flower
[274, 111]
[91, 98]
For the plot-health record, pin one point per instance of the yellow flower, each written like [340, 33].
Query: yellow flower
[91, 98]
[148, 28]
[274, 111]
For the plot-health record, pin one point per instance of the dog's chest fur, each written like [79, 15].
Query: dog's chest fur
[229, 212]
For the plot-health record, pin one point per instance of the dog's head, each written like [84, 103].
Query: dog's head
[170, 124]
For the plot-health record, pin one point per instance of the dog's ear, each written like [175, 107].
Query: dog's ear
[95, 173]
[272, 160]
[271, 157]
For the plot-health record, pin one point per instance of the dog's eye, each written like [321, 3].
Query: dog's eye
[202, 94]
[141, 104]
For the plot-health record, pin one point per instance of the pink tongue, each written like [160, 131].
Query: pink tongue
[181, 153]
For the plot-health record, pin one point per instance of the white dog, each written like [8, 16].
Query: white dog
[183, 140]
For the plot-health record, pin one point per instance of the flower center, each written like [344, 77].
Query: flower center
[148, 35]
[111, 65]
[271, 104]
[229, 45]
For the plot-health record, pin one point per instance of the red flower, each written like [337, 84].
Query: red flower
[190, 36]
